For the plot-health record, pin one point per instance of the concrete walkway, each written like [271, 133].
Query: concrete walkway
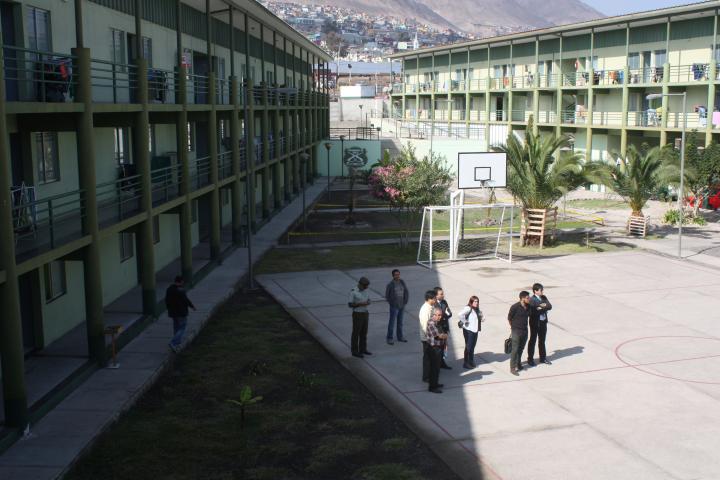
[632, 393]
[61, 436]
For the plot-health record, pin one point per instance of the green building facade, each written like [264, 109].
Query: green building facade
[589, 80]
[120, 158]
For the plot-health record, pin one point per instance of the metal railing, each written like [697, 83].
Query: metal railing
[478, 84]
[546, 116]
[118, 199]
[47, 223]
[259, 151]
[609, 77]
[607, 118]
[577, 117]
[520, 115]
[222, 91]
[357, 133]
[198, 89]
[526, 80]
[500, 83]
[199, 172]
[498, 116]
[113, 82]
[38, 76]
[646, 75]
[693, 119]
[165, 184]
[698, 72]
[478, 115]
[243, 158]
[161, 85]
[225, 166]
[550, 80]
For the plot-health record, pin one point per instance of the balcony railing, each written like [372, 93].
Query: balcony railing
[243, 158]
[198, 89]
[578, 117]
[161, 85]
[222, 91]
[646, 118]
[643, 76]
[698, 72]
[526, 80]
[118, 199]
[693, 119]
[548, 80]
[478, 83]
[200, 173]
[225, 166]
[44, 224]
[478, 116]
[607, 118]
[498, 116]
[37, 76]
[441, 115]
[520, 115]
[546, 116]
[501, 83]
[113, 82]
[165, 184]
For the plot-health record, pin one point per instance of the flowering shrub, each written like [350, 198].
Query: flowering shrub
[409, 184]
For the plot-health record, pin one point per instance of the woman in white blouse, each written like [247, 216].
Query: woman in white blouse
[470, 319]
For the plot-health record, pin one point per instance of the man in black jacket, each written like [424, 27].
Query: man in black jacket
[396, 294]
[177, 303]
[444, 324]
[539, 306]
[518, 320]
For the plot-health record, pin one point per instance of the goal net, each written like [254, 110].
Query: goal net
[467, 232]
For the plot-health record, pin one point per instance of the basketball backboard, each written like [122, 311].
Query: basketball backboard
[481, 170]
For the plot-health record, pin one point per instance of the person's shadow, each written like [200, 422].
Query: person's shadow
[565, 352]
[493, 357]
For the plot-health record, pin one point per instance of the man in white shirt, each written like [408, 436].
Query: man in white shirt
[426, 312]
[359, 300]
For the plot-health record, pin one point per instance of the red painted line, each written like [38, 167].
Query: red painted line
[417, 407]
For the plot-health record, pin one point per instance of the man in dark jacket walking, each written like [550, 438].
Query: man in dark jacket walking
[539, 306]
[177, 303]
[396, 294]
[518, 319]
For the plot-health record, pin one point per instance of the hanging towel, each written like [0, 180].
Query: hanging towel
[716, 118]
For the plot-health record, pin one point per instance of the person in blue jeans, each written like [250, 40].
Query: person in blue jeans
[177, 303]
[396, 294]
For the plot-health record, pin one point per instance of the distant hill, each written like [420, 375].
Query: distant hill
[487, 17]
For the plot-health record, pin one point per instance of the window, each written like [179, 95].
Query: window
[55, 283]
[156, 229]
[118, 47]
[127, 246]
[633, 60]
[660, 58]
[46, 149]
[38, 29]
[191, 137]
[122, 147]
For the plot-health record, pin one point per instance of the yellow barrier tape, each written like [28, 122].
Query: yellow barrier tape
[593, 219]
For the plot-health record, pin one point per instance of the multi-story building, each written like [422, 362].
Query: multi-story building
[607, 83]
[131, 133]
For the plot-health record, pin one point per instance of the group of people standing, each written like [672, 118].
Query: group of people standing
[530, 312]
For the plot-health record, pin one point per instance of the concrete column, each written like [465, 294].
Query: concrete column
[86, 173]
[265, 129]
[277, 190]
[215, 192]
[294, 156]
[11, 339]
[623, 120]
[236, 192]
[141, 139]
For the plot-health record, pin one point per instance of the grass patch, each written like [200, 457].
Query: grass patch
[569, 245]
[279, 260]
[315, 420]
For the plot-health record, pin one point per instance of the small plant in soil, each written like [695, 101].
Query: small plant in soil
[246, 399]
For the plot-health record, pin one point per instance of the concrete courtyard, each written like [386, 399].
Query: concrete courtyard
[633, 391]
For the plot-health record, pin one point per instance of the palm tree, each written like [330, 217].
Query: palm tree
[542, 168]
[636, 177]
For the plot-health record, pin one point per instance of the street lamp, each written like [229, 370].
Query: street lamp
[361, 117]
[304, 157]
[342, 155]
[654, 96]
[328, 146]
[432, 121]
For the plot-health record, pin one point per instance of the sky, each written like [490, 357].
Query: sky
[620, 7]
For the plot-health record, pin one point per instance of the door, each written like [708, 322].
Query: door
[201, 67]
[647, 64]
[499, 109]
[37, 28]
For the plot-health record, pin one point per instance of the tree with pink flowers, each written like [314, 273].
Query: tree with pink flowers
[409, 184]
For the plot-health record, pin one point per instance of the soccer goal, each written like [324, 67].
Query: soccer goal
[466, 232]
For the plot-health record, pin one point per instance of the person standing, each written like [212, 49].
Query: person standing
[444, 325]
[539, 306]
[436, 343]
[396, 294]
[426, 312]
[177, 303]
[359, 301]
[471, 316]
[518, 317]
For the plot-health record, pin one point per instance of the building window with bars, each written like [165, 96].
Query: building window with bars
[55, 280]
[127, 246]
[46, 150]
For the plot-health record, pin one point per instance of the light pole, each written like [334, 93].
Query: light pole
[654, 96]
[342, 155]
[304, 157]
[432, 122]
[249, 173]
[328, 146]
[361, 117]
